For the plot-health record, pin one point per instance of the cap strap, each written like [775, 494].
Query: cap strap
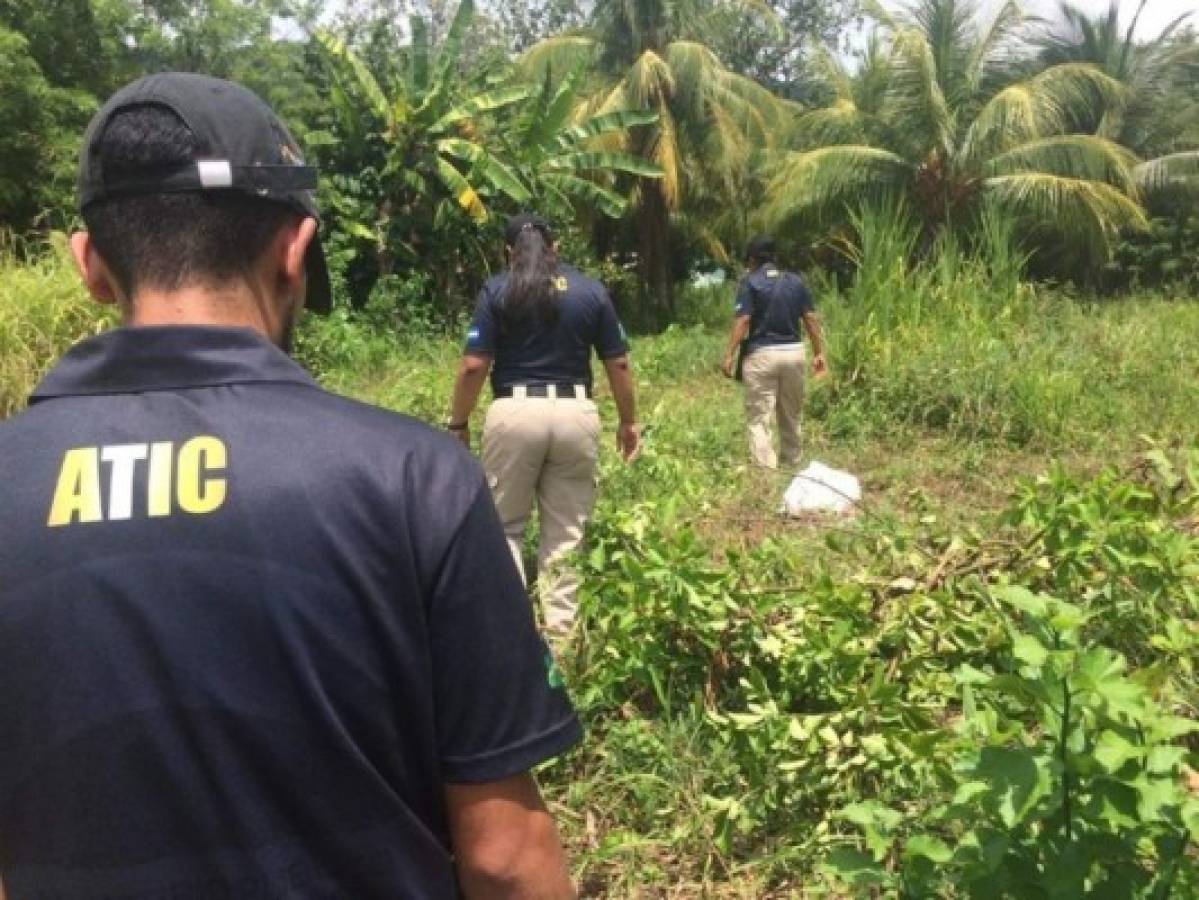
[214, 174]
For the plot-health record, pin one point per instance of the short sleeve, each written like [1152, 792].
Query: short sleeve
[611, 341]
[481, 337]
[744, 305]
[500, 705]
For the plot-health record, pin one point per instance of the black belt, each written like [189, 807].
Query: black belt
[563, 391]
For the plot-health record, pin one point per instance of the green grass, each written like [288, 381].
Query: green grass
[949, 385]
[43, 310]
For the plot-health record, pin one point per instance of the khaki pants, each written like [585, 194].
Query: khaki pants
[544, 450]
[774, 388]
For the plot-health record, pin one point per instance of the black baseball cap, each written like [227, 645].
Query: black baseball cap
[524, 221]
[761, 247]
[241, 145]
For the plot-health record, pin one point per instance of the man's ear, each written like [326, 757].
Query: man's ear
[96, 277]
[292, 248]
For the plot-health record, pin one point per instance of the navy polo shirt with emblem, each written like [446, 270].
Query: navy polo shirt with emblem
[555, 354]
[248, 632]
[775, 300]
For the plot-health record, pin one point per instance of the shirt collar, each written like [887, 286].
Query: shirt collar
[168, 358]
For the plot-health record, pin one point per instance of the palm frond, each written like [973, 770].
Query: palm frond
[561, 54]
[818, 184]
[1072, 156]
[841, 123]
[669, 158]
[1178, 171]
[1046, 104]
[648, 82]
[1088, 214]
[994, 41]
[916, 95]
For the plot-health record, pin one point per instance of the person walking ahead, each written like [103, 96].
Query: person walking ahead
[533, 330]
[770, 305]
[257, 640]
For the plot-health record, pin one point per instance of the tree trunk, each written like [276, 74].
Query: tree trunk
[653, 247]
[384, 257]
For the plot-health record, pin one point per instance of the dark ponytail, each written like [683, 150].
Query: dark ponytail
[531, 297]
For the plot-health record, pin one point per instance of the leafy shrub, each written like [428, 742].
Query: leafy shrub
[983, 738]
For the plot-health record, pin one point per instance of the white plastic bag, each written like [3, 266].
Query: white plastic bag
[819, 488]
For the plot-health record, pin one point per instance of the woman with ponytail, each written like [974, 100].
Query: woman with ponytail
[533, 331]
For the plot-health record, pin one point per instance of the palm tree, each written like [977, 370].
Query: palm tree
[938, 119]
[1149, 69]
[650, 54]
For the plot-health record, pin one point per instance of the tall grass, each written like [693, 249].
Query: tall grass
[43, 311]
[958, 343]
[955, 343]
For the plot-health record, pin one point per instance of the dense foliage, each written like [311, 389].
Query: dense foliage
[982, 685]
[658, 135]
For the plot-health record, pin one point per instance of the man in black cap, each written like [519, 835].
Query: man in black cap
[770, 305]
[258, 640]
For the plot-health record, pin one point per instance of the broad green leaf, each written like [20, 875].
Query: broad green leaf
[580, 190]
[1023, 599]
[418, 63]
[1157, 794]
[1112, 751]
[1165, 760]
[853, 867]
[364, 81]
[1018, 780]
[1115, 803]
[464, 194]
[1029, 650]
[928, 847]
[555, 115]
[620, 120]
[967, 791]
[497, 174]
[600, 160]
[871, 813]
[481, 103]
[1190, 817]
[357, 229]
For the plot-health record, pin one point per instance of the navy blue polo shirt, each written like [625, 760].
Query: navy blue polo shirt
[248, 631]
[775, 300]
[539, 354]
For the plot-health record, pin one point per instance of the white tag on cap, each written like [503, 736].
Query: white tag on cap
[215, 173]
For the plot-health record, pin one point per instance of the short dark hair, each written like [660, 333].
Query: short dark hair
[168, 240]
[761, 248]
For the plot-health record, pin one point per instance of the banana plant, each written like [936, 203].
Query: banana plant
[417, 138]
[570, 165]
